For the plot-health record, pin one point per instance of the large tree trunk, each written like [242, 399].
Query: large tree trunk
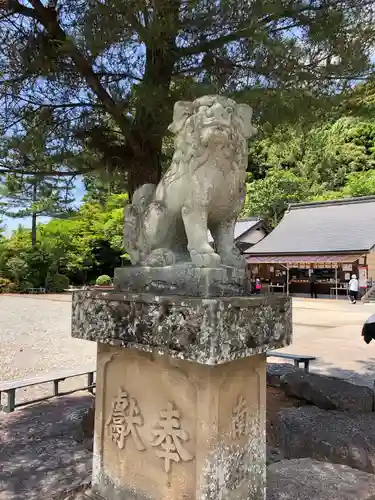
[146, 165]
[154, 113]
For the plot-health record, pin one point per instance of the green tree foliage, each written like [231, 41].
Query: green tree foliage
[269, 197]
[325, 154]
[36, 192]
[360, 184]
[81, 247]
[334, 151]
[106, 74]
[332, 159]
[360, 101]
[295, 163]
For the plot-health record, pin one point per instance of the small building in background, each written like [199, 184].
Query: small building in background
[331, 240]
[247, 233]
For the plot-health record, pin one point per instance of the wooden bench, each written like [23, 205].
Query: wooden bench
[10, 387]
[297, 358]
[36, 290]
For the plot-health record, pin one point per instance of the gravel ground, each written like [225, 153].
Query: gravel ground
[35, 339]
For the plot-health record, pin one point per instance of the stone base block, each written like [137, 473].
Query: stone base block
[208, 331]
[183, 280]
[334, 436]
[169, 429]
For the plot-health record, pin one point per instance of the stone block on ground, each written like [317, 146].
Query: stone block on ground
[83, 425]
[307, 479]
[328, 393]
[276, 370]
[332, 436]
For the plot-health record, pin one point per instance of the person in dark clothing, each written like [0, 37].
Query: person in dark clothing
[313, 291]
[368, 330]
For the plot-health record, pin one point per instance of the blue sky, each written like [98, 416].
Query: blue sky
[12, 224]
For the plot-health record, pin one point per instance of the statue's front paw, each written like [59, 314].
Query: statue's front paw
[160, 257]
[234, 259]
[205, 259]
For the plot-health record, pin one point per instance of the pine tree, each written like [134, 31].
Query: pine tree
[109, 72]
[27, 189]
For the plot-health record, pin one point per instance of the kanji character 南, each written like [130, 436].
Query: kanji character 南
[240, 419]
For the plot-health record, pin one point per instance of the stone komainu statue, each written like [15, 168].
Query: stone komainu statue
[204, 188]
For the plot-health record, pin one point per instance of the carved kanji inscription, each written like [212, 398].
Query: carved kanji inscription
[124, 420]
[240, 417]
[169, 438]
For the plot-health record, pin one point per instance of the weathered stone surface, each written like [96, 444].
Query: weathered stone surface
[208, 331]
[307, 479]
[83, 425]
[328, 393]
[276, 370]
[168, 428]
[183, 279]
[273, 455]
[332, 436]
[203, 188]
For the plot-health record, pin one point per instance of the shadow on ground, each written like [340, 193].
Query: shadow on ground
[364, 376]
[40, 460]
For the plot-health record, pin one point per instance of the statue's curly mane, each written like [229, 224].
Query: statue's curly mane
[190, 154]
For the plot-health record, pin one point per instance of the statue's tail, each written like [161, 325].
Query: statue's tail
[133, 222]
[142, 196]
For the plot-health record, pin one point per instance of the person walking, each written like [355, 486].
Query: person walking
[258, 286]
[353, 289]
[313, 291]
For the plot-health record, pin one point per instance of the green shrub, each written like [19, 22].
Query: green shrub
[17, 268]
[57, 283]
[12, 288]
[7, 286]
[103, 280]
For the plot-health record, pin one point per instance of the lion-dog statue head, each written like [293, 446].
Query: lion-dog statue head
[210, 123]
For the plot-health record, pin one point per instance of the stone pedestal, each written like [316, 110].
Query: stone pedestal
[168, 428]
[183, 280]
[181, 388]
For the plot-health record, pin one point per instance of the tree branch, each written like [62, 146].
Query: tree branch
[105, 74]
[54, 106]
[47, 17]
[51, 173]
[209, 45]
[247, 32]
[15, 7]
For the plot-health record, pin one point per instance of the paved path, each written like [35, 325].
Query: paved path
[35, 338]
[39, 459]
[331, 330]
